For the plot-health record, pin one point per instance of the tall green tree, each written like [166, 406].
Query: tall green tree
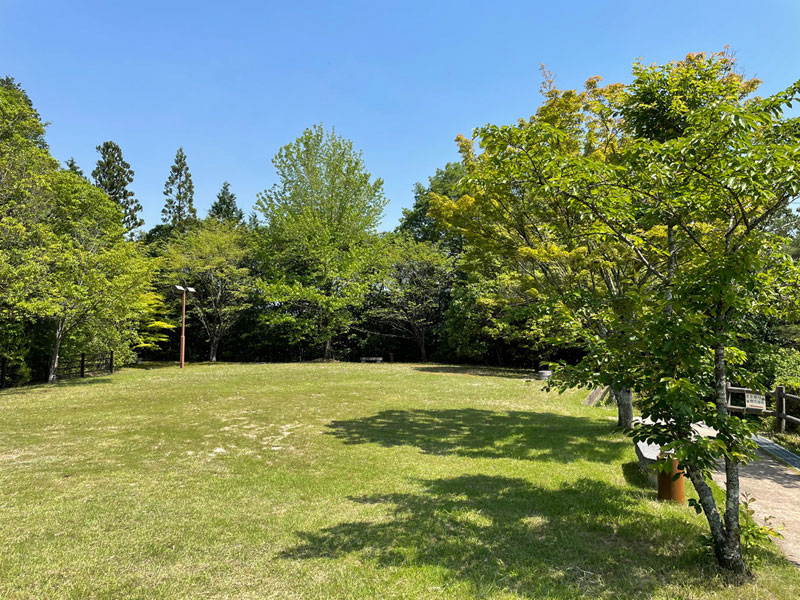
[20, 118]
[113, 175]
[688, 199]
[224, 207]
[547, 269]
[26, 176]
[413, 292]
[97, 281]
[212, 259]
[703, 202]
[65, 267]
[319, 235]
[418, 222]
[179, 209]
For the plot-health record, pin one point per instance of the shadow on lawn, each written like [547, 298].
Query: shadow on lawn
[486, 434]
[153, 365]
[478, 371]
[61, 383]
[500, 533]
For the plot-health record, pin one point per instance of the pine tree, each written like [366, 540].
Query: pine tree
[224, 208]
[179, 193]
[73, 167]
[112, 175]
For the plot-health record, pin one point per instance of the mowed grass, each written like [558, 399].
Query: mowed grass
[337, 481]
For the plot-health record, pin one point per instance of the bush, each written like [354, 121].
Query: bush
[778, 366]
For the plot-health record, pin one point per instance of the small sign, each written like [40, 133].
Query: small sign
[756, 401]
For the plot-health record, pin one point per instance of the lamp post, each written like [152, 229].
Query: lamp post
[182, 289]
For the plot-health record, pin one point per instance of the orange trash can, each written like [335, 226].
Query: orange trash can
[671, 487]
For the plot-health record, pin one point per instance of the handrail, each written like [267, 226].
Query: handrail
[780, 395]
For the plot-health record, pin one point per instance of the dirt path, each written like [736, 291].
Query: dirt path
[776, 489]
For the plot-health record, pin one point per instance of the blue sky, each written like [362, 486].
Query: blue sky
[232, 82]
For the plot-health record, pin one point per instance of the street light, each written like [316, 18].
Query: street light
[182, 289]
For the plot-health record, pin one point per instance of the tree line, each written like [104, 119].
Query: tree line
[639, 236]
[306, 275]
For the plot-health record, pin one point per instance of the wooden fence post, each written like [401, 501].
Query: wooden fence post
[780, 409]
[3, 367]
[83, 364]
[111, 363]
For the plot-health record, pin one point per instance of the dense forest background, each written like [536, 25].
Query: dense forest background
[305, 276]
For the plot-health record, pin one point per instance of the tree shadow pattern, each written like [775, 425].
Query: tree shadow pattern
[478, 371]
[486, 434]
[62, 383]
[585, 539]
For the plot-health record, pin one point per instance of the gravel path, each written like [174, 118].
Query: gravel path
[776, 489]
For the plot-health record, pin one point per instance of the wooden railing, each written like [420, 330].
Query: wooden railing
[755, 403]
[80, 366]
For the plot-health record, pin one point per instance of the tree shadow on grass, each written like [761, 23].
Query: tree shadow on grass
[486, 434]
[153, 365]
[636, 476]
[478, 371]
[585, 539]
[61, 383]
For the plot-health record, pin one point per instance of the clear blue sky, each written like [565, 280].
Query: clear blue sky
[231, 82]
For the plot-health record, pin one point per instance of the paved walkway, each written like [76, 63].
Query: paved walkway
[778, 451]
[774, 486]
[776, 489]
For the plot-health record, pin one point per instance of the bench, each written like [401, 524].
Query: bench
[371, 359]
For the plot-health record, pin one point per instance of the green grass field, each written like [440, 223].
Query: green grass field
[335, 480]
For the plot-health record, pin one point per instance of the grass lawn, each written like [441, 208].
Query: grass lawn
[337, 481]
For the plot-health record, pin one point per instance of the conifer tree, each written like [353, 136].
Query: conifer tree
[112, 175]
[179, 192]
[73, 167]
[224, 208]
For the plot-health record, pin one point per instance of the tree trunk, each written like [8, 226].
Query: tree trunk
[328, 350]
[725, 534]
[706, 498]
[731, 550]
[51, 375]
[214, 346]
[423, 355]
[624, 398]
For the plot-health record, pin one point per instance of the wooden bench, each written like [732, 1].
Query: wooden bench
[371, 359]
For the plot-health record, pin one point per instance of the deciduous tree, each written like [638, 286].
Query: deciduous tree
[96, 280]
[412, 294]
[574, 284]
[688, 200]
[418, 222]
[320, 221]
[211, 259]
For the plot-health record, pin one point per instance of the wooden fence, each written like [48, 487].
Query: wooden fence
[85, 364]
[755, 403]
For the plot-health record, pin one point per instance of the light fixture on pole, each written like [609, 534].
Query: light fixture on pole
[182, 289]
